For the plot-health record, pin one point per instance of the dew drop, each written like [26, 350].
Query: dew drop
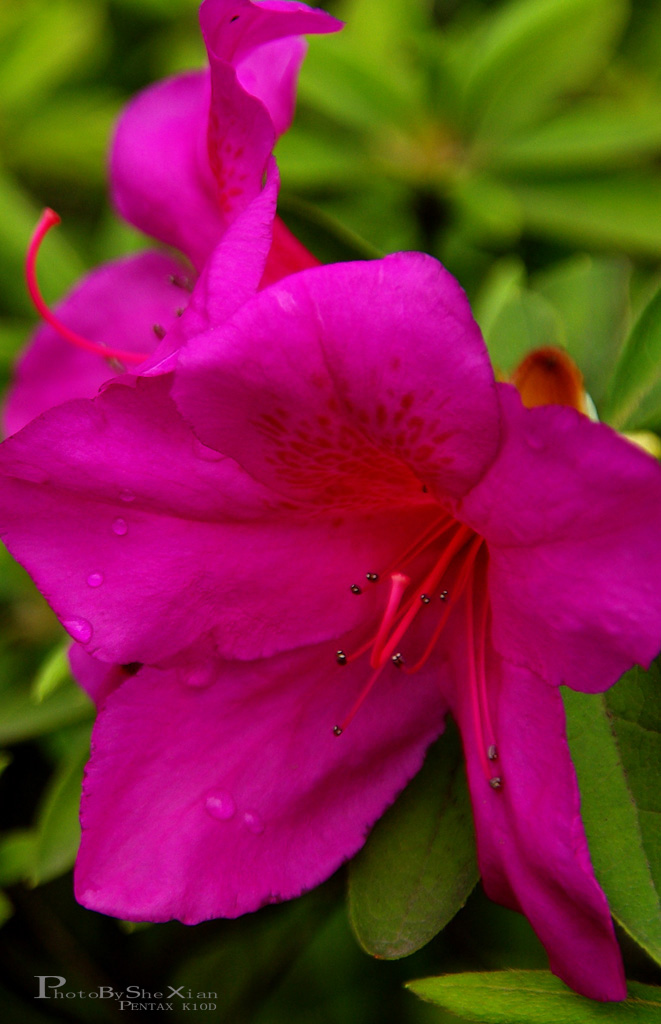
[205, 453]
[119, 527]
[220, 805]
[253, 822]
[79, 629]
[126, 494]
[199, 677]
[95, 579]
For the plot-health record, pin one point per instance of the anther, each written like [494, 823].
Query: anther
[496, 782]
[355, 589]
[341, 658]
[492, 753]
[336, 730]
[397, 660]
[444, 595]
[372, 576]
[48, 220]
[159, 331]
[425, 598]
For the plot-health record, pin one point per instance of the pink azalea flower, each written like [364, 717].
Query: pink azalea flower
[331, 520]
[188, 160]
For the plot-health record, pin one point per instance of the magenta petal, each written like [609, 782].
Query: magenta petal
[162, 180]
[570, 513]
[160, 176]
[383, 385]
[270, 73]
[116, 305]
[238, 782]
[532, 849]
[188, 546]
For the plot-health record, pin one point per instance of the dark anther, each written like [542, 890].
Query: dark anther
[337, 730]
[397, 660]
[496, 782]
[444, 595]
[235, 18]
[355, 589]
[492, 753]
[159, 331]
[425, 598]
[372, 576]
[341, 658]
[179, 312]
[131, 668]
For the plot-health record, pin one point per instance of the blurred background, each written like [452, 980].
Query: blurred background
[520, 143]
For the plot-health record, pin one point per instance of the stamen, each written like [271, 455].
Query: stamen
[398, 584]
[48, 220]
[477, 692]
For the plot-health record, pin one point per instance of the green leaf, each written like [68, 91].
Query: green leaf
[625, 854]
[634, 398]
[595, 135]
[504, 282]
[525, 321]
[620, 211]
[533, 53]
[592, 297]
[57, 825]
[54, 672]
[66, 138]
[56, 36]
[354, 93]
[21, 718]
[533, 997]
[418, 866]
[6, 909]
[17, 849]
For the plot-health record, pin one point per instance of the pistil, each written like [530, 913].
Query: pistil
[48, 220]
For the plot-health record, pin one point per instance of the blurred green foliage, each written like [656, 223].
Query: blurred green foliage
[517, 140]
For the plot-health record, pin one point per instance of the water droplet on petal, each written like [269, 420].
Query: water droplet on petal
[126, 495]
[253, 822]
[119, 527]
[198, 676]
[220, 805]
[205, 453]
[79, 629]
[95, 579]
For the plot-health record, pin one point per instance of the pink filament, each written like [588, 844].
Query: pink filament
[48, 220]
